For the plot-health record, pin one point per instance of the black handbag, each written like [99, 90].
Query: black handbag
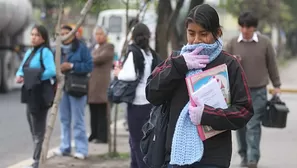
[152, 145]
[35, 92]
[276, 113]
[76, 84]
[122, 91]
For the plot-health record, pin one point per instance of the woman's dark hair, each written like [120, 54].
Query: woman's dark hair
[247, 19]
[44, 34]
[141, 36]
[75, 41]
[206, 16]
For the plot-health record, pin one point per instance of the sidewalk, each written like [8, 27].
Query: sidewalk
[94, 161]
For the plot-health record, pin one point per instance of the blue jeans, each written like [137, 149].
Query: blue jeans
[73, 109]
[248, 138]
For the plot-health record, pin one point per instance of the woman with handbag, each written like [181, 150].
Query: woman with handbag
[76, 65]
[102, 54]
[36, 73]
[140, 62]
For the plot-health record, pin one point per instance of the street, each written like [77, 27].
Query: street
[16, 142]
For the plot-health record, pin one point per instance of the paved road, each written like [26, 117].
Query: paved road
[278, 146]
[15, 139]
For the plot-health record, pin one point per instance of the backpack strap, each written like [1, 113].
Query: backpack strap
[41, 59]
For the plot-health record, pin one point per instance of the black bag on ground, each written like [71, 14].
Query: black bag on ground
[276, 113]
[152, 144]
[76, 84]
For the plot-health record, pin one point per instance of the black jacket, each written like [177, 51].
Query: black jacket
[167, 83]
[139, 59]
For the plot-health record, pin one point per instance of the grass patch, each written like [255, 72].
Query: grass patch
[117, 156]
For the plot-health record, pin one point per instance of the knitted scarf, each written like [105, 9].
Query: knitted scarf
[187, 147]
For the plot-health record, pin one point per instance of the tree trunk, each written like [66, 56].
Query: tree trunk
[109, 139]
[164, 11]
[195, 3]
[115, 130]
[178, 39]
[60, 79]
[55, 107]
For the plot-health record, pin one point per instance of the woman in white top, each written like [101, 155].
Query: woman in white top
[139, 63]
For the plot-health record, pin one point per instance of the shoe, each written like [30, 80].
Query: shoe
[34, 165]
[91, 138]
[98, 141]
[79, 156]
[60, 153]
[243, 163]
[252, 165]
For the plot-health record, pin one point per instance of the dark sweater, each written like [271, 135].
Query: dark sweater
[258, 61]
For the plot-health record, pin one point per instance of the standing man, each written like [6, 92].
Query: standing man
[258, 59]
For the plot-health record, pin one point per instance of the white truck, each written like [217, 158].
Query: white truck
[15, 16]
[115, 21]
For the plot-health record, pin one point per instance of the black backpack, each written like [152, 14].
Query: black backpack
[152, 145]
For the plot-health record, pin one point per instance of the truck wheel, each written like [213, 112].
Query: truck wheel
[8, 70]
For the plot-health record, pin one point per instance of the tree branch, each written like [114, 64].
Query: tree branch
[60, 79]
[83, 15]
[143, 8]
[54, 109]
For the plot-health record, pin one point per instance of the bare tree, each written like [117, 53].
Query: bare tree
[166, 20]
[60, 77]
[167, 27]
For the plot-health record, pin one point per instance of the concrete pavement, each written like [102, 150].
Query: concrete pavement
[95, 150]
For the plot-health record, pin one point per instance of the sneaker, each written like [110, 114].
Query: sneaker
[60, 153]
[243, 163]
[79, 156]
[252, 165]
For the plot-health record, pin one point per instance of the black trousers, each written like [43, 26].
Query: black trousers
[37, 122]
[98, 117]
[137, 117]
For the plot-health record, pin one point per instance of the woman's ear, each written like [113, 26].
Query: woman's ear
[220, 32]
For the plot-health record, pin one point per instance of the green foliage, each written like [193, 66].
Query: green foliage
[261, 8]
[270, 12]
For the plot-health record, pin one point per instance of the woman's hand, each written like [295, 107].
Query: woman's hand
[19, 79]
[117, 70]
[196, 111]
[66, 66]
[196, 61]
